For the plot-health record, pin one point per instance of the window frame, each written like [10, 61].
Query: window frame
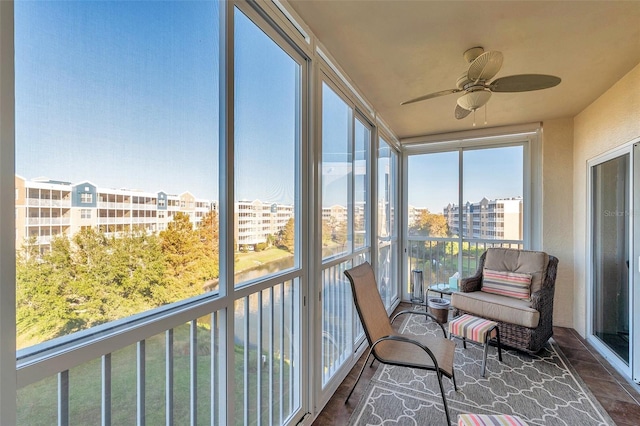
[529, 136]
[351, 255]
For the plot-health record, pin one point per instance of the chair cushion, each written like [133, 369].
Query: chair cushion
[522, 261]
[512, 284]
[472, 328]
[496, 307]
[489, 420]
[403, 353]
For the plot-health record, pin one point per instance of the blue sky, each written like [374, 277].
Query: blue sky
[491, 173]
[125, 94]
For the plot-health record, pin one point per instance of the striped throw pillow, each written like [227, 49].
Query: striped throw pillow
[505, 283]
[489, 420]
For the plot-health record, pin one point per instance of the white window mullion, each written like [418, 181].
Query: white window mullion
[140, 383]
[169, 377]
[193, 360]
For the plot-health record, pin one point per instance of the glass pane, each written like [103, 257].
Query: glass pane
[360, 176]
[384, 190]
[266, 147]
[387, 231]
[611, 213]
[115, 101]
[432, 188]
[336, 173]
[493, 202]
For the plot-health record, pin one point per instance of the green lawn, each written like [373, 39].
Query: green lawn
[253, 259]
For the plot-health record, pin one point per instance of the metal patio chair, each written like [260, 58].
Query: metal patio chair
[389, 347]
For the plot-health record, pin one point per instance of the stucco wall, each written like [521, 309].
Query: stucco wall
[557, 229]
[609, 122]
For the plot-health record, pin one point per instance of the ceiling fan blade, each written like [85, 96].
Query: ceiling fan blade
[461, 112]
[524, 83]
[485, 66]
[431, 95]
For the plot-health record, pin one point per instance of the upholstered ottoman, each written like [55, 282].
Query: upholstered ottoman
[489, 420]
[477, 330]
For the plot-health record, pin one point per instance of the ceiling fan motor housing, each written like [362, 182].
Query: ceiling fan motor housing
[473, 100]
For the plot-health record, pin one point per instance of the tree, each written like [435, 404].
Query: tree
[87, 280]
[287, 236]
[209, 233]
[339, 235]
[188, 267]
[430, 225]
[327, 232]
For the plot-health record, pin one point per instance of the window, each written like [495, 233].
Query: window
[387, 222]
[267, 149]
[102, 94]
[447, 220]
[346, 142]
[336, 172]
[269, 86]
[361, 175]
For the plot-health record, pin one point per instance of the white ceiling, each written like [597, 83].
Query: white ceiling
[398, 50]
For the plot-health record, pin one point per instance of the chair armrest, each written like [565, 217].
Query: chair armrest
[541, 299]
[469, 284]
[473, 283]
[426, 314]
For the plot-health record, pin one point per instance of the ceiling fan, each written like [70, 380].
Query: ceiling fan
[474, 82]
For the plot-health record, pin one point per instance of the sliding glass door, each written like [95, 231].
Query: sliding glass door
[614, 258]
[610, 241]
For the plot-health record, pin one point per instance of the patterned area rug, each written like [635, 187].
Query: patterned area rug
[542, 389]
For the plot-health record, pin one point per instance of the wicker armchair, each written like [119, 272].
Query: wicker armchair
[525, 338]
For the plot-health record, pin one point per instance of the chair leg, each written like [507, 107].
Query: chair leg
[484, 357]
[453, 376]
[444, 398]
[359, 375]
[499, 346]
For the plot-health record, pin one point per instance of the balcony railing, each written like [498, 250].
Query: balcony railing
[341, 327]
[169, 366]
[44, 202]
[441, 258]
[46, 221]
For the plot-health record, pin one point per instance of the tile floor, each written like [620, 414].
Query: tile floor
[615, 394]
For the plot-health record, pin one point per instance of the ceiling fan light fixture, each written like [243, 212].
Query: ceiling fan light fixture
[471, 101]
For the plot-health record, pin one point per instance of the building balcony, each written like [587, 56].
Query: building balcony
[43, 202]
[49, 221]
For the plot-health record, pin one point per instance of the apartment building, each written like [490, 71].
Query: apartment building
[255, 221]
[47, 208]
[413, 214]
[487, 219]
